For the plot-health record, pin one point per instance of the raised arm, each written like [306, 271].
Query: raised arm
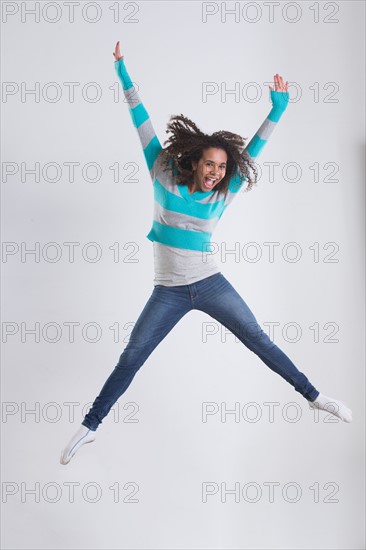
[150, 143]
[279, 98]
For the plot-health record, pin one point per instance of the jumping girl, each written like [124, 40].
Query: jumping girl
[195, 178]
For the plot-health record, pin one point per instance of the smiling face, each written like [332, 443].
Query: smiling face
[209, 170]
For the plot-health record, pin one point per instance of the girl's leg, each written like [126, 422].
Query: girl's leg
[224, 304]
[229, 308]
[165, 307]
[161, 313]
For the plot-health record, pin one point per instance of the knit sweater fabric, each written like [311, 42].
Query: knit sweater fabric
[184, 223]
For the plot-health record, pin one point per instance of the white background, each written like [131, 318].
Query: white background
[169, 452]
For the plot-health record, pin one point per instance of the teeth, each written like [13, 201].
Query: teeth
[210, 182]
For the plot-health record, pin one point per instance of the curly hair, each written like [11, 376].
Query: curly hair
[187, 143]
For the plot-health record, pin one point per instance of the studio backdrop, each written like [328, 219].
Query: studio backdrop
[208, 448]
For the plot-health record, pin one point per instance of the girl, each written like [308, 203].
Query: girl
[195, 178]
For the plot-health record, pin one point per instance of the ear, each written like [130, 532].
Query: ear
[194, 165]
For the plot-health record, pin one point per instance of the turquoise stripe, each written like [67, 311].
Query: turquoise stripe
[152, 151]
[225, 207]
[234, 184]
[178, 204]
[255, 146]
[195, 196]
[139, 114]
[122, 74]
[279, 101]
[275, 115]
[180, 238]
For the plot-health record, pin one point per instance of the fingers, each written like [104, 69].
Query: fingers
[280, 85]
[117, 52]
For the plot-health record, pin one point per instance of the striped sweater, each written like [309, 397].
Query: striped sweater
[183, 223]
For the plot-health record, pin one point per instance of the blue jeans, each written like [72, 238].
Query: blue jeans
[213, 295]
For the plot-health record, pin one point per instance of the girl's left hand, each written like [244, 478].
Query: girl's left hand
[279, 84]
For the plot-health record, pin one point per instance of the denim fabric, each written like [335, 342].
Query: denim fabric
[213, 295]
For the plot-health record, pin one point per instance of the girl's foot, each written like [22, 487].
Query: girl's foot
[83, 435]
[332, 406]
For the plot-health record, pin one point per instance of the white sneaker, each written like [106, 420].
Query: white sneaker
[82, 436]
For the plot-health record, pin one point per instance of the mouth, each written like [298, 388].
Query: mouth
[209, 182]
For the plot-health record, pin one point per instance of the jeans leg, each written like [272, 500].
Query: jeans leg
[161, 313]
[229, 308]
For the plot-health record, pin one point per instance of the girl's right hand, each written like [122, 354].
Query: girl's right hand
[117, 53]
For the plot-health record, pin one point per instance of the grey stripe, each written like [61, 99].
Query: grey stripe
[146, 132]
[132, 96]
[266, 129]
[180, 266]
[184, 252]
[183, 221]
[231, 196]
[165, 178]
[215, 197]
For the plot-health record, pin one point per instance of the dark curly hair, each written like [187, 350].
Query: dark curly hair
[187, 143]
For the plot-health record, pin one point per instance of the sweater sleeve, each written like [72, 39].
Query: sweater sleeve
[260, 138]
[141, 120]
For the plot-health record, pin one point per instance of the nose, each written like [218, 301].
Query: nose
[216, 171]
